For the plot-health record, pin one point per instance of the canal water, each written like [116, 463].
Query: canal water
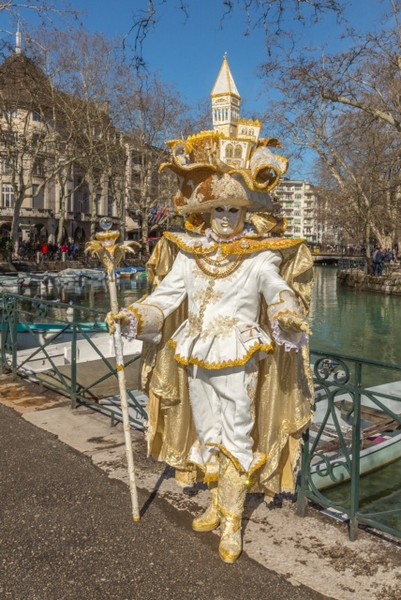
[353, 322]
[343, 321]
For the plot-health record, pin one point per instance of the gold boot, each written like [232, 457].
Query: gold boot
[230, 546]
[231, 498]
[210, 519]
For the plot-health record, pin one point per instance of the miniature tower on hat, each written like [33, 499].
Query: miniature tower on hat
[238, 136]
[226, 102]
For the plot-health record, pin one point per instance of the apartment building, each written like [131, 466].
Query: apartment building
[297, 200]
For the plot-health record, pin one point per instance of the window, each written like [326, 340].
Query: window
[39, 167]
[36, 117]
[7, 194]
[238, 151]
[6, 167]
[229, 151]
[10, 114]
[38, 198]
[37, 139]
[98, 204]
[110, 206]
[9, 137]
[84, 203]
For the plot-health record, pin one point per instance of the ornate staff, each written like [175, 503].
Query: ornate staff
[110, 254]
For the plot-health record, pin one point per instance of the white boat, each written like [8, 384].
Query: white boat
[12, 282]
[59, 353]
[380, 436]
[129, 272]
[33, 335]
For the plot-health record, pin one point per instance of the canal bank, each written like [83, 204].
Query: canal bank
[67, 531]
[389, 284]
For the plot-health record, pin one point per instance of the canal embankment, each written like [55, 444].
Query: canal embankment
[67, 523]
[389, 283]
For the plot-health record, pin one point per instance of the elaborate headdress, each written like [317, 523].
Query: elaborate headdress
[229, 164]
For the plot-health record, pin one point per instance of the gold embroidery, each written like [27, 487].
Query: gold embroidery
[221, 326]
[206, 299]
[194, 324]
[210, 296]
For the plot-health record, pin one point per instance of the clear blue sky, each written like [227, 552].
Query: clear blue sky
[188, 52]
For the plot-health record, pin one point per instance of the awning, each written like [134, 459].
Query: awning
[131, 225]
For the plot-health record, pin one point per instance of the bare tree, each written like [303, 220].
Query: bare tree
[367, 77]
[275, 17]
[90, 71]
[152, 115]
[28, 133]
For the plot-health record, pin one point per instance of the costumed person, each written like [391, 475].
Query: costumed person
[226, 362]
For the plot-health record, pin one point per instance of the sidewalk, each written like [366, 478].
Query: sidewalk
[66, 530]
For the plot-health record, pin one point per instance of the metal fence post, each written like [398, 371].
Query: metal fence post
[356, 446]
[74, 359]
[301, 495]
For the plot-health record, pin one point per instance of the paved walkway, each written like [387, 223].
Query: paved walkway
[66, 531]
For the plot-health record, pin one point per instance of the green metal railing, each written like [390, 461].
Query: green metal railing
[51, 342]
[356, 428]
[358, 402]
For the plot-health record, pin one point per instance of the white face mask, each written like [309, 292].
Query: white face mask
[227, 220]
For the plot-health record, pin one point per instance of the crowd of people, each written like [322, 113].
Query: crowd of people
[41, 251]
[380, 258]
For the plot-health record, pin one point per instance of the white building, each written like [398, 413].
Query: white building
[299, 205]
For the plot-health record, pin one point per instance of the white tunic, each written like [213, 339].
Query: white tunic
[222, 328]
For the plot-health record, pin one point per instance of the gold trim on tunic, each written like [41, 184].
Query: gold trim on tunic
[224, 364]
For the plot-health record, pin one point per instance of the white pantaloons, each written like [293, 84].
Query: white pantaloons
[223, 411]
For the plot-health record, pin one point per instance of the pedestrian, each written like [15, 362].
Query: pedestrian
[74, 251]
[378, 262]
[64, 251]
[228, 377]
[45, 251]
[38, 250]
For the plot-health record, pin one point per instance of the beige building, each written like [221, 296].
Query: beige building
[46, 178]
[55, 151]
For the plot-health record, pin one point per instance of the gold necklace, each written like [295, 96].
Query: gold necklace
[219, 274]
[215, 262]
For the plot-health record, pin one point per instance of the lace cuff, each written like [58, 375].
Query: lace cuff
[129, 329]
[291, 340]
[292, 332]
